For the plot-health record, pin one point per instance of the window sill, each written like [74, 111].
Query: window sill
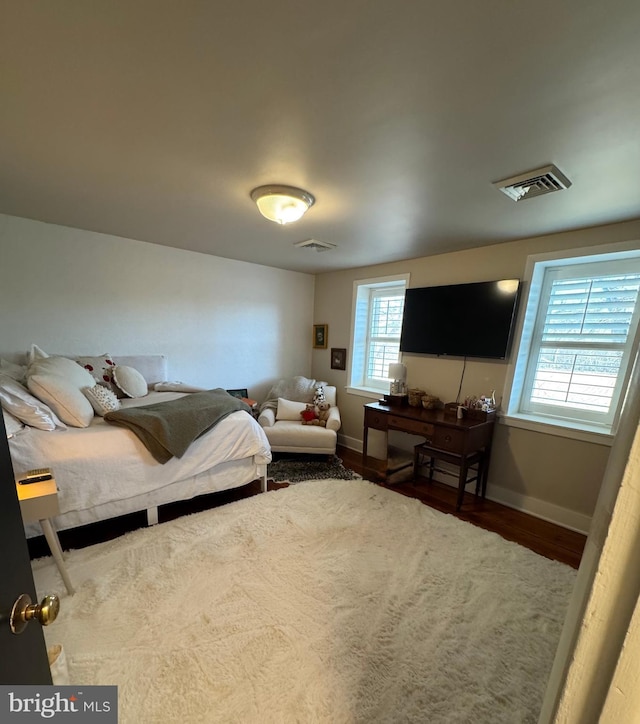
[559, 430]
[365, 392]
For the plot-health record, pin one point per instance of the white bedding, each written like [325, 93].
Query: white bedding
[105, 468]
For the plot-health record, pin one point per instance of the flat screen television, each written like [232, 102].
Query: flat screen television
[460, 320]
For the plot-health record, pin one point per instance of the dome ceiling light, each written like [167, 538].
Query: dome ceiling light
[282, 204]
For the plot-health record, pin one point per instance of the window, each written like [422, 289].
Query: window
[579, 340]
[377, 323]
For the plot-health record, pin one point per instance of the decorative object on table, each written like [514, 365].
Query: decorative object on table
[240, 393]
[395, 400]
[486, 403]
[338, 358]
[320, 336]
[451, 409]
[431, 402]
[415, 396]
[474, 408]
[398, 375]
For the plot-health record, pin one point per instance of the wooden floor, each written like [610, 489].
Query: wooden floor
[540, 536]
[547, 539]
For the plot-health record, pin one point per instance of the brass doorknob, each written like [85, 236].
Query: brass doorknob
[23, 611]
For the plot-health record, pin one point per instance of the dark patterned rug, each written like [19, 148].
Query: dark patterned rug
[296, 468]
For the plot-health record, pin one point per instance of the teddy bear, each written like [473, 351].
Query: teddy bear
[309, 415]
[323, 413]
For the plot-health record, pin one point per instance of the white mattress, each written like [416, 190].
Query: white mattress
[106, 468]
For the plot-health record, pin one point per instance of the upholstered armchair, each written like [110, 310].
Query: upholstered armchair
[280, 418]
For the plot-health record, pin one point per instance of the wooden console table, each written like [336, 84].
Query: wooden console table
[459, 442]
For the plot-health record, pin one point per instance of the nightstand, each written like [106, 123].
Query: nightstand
[39, 501]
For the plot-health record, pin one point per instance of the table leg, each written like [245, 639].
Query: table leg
[365, 446]
[462, 482]
[56, 552]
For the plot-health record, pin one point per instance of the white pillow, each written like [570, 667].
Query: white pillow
[15, 398]
[17, 372]
[130, 381]
[35, 353]
[11, 424]
[289, 410]
[71, 371]
[64, 397]
[102, 399]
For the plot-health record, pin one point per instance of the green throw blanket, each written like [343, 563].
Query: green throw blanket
[168, 428]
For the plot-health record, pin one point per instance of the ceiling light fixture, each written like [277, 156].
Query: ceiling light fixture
[282, 204]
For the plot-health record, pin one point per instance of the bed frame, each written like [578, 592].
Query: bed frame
[224, 476]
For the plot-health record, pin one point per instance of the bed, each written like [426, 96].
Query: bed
[104, 471]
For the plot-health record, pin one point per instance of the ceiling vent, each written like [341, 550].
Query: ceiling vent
[534, 183]
[314, 244]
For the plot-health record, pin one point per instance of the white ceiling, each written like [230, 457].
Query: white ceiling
[153, 120]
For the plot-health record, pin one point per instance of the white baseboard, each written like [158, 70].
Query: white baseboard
[351, 442]
[552, 513]
[570, 519]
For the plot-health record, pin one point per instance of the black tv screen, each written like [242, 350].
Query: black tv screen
[460, 320]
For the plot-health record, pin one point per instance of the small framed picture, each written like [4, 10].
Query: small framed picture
[320, 334]
[239, 393]
[338, 358]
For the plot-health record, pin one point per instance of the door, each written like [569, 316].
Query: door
[24, 656]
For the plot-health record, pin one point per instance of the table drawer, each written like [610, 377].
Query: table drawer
[417, 427]
[377, 420]
[447, 438]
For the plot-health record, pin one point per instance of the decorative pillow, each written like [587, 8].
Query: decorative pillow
[17, 400]
[64, 397]
[35, 353]
[16, 372]
[101, 369]
[11, 424]
[289, 409]
[130, 381]
[102, 399]
[71, 371]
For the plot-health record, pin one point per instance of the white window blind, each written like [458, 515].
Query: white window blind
[578, 358]
[385, 324]
[377, 324]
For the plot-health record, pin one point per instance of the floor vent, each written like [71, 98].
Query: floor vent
[533, 183]
[315, 245]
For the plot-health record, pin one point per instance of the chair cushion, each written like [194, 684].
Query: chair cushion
[292, 435]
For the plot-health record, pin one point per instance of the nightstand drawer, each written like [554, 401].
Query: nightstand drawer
[416, 427]
[446, 438]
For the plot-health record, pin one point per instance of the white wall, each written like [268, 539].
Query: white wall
[222, 323]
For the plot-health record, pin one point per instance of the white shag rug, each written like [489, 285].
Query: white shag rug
[330, 601]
